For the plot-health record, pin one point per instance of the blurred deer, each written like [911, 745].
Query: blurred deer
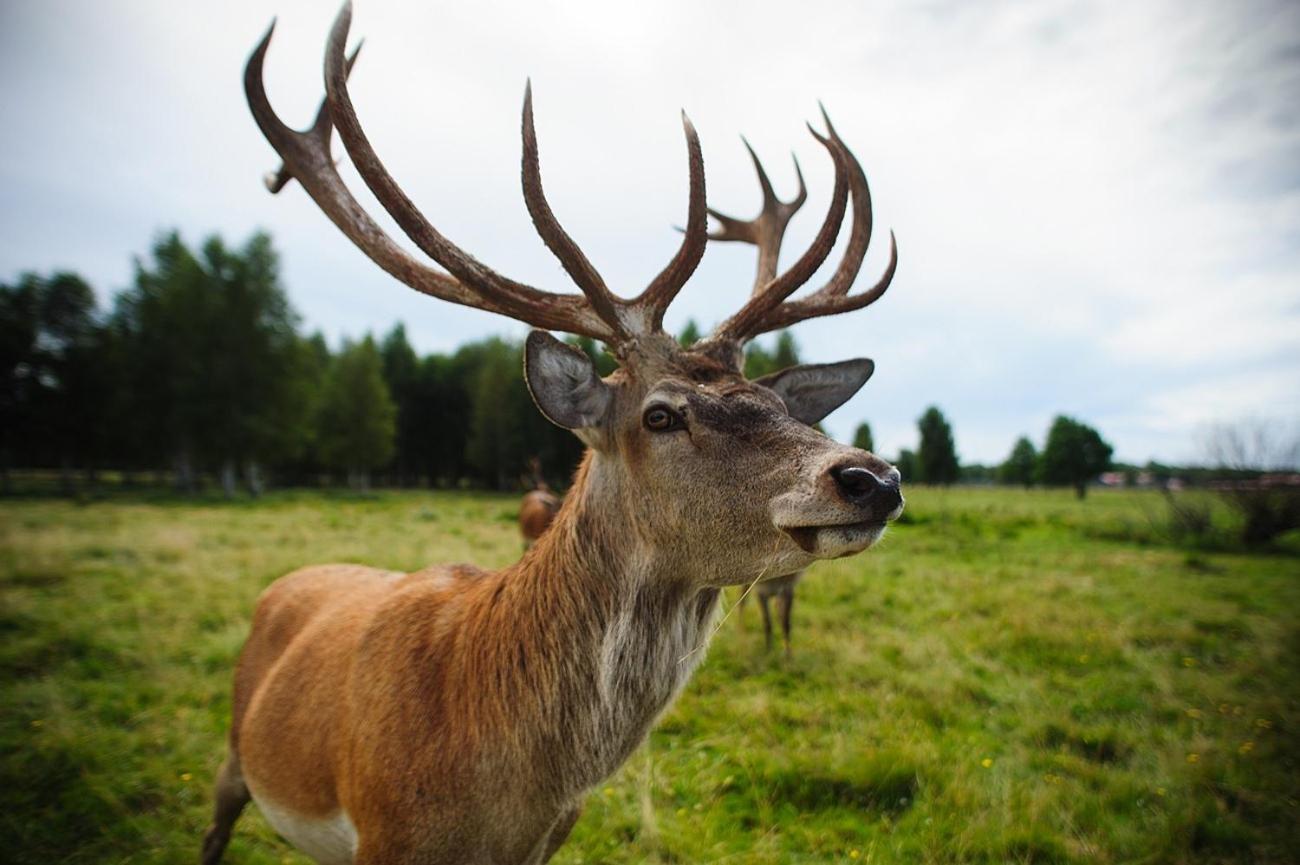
[781, 588]
[539, 506]
[457, 715]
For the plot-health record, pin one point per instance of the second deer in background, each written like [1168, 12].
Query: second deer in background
[539, 506]
[781, 588]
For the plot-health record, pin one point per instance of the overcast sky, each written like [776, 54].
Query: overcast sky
[1097, 204]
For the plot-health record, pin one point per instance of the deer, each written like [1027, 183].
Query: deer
[781, 588]
[538, 509]
[461, 715]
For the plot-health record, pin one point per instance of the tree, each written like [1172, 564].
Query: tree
[216, 374]
[760, 362]
[787, 351]
[1258, 462]
[55, 375]
[906, 464]
[936, 458]
[1075, 453]
[690, 334]
[256, 372]
[401, 371]
[1019, 466]
[862, 437]
[358, 417]
[600, 355]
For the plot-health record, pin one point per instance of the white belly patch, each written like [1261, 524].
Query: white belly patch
[329, 840]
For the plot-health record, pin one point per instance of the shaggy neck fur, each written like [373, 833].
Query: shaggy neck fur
[597, 632]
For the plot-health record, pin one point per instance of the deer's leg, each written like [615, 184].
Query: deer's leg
[231, 795]
[767, 621]
[784, 602]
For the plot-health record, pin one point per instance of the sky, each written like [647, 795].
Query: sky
[1097, 204]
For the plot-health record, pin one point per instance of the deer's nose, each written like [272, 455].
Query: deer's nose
[860, 486]
[855, 482]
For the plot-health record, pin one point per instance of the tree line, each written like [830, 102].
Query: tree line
[1073, 455]
[198, 372]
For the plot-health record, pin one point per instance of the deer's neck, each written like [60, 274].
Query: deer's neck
[603, 631]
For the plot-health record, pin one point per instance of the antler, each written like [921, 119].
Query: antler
[768, 308]
[768, 228]
[596, 313]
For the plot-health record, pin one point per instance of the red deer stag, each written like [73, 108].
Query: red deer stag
[538, 509]
[455, 715]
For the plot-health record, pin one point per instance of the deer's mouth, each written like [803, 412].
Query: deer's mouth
[837, 540]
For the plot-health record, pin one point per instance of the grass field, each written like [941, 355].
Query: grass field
[1010, 677]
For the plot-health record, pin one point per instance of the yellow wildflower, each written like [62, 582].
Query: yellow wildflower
[986, 762]
[186, 776]
[853, 854]
[1193, 758]
[1160, 791]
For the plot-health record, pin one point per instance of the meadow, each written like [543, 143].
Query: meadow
[1011, 676]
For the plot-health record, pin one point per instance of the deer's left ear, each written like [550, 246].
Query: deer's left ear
[564, 382]
[812, 391]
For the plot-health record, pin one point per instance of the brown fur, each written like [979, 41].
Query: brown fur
[456, 715]
[536, 513]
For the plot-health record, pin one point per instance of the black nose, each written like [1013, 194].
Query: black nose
[856, 483]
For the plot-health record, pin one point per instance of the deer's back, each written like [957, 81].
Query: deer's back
[536, 513]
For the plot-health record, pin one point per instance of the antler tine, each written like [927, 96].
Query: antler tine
[860, 232]
[766, 230]
[820, 304]
[664, 288]
[307, 158]
[321, 129]
[521, 300]
[832, 298]
[557, 240]
[768, 294]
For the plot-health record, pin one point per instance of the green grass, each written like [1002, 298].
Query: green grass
[1012, 677]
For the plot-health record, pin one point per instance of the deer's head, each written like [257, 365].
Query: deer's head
[728, 472]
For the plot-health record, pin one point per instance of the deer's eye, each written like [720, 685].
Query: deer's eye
[660, 418]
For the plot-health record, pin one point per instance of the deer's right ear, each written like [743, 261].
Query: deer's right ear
[564, 383]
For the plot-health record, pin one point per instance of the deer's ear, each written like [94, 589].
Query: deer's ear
[564, 383]
[812, 391]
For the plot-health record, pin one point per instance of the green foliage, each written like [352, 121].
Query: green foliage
[936, 458]
[787, 351]
[56, 373]
[862, 437]
[690, 334]
[1007, 678]
[401, 374]
[976, 473]
[760, 361]
[215, 370]
[907, 466]
[1074, 455]
[357, 414]
[1020, 465]
[599, 354]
